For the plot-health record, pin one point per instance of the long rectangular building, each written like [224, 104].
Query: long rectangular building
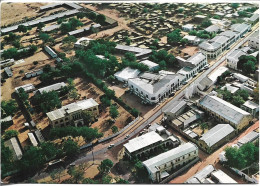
[71, 114]
[159, 166]
[225, 112]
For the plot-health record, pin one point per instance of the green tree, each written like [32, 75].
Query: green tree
[145, 10]
[243, 93]
[130, 57]
[140, 170]
[180, 10]
[80, 15]
[69, 39]
[193, 33]
[22, 28]
[249, 67]
[44, 37]
[77, 174]
[16, 44]
[135, 112]
[216, 17]
[101, 19]
[105, 101]
[242, 14]
[49, 150]
[23, 95]
[40, 25]
[87, 117]
[48, 101]
[243, 60]
[184, 41]
[128, 41]
[105, 166]
[114, 129]
[73, 94]
[9, 134]
[106, 179]
[256, 93]
[206, 23]
[65, 28]
[70, 147]
[8, 108]
[174, 37]
[203, 126]
[113, 112]
[235, 5]
[10, 53]
[56, 174]
[122, 181]
[237, 100]
[162, 64]
[89, 181]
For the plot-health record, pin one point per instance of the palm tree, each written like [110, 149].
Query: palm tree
[203, 126]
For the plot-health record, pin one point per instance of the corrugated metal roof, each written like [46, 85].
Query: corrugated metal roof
[53, 87]
[216, 134]
[176, 106]
[201, 175]
[169, 156]
[143, 141]
[222, 177]
[224, 109]
[248, 138]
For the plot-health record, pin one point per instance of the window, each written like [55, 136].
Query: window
[56, 122]
[153, 98]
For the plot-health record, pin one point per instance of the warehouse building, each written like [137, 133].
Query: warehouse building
[216, 137]
[54, 87]
[14, 145]
[126, 74]
[225, 112]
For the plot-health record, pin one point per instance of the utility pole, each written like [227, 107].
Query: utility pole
[93, 156]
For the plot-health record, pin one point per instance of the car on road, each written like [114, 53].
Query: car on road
[110, 146]
[127, 136]
[184, 83]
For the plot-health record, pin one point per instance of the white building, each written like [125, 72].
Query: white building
[151, 65]
[8, 71]
[188, 27]
[149, 142]
[214, 47]
[192, 39]
[50, 52]
[14, 146]
[54, 87]
[33, 73]
[233, 58]
[174, 110]
[126, 74]
[212, 29]
[192, 65]
[230, 88]
[27, 88]
[251, 107]
[218, 72]
[222, 177]
[159, 166]
[153, 88]
[82, 42]
[71, 114]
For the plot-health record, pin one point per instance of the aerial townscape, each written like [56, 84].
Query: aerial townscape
[129, 93]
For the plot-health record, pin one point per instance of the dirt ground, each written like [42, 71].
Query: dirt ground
[18, 79]
[119, 90]
[191, 50]
[135, 102]
[12, 12]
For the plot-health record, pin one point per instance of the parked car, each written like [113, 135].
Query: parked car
[110, 146]
[127, 136]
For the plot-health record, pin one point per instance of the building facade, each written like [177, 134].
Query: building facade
[159, 166]
[72, 114]
[225, 112]
[153, 88]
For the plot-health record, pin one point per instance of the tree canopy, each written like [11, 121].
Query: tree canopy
[48, 101]
[105, 166]
[174, 37]
[8, 108]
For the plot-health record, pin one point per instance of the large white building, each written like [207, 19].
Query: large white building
[149, 142]
[126, 74]
[71, 114]
[153, 88]
[159, 166]
[54, 87]
[214, 47]
[253, 41]
[192, 65]
[233, 58]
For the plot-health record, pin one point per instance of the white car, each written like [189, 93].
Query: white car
[111, 145]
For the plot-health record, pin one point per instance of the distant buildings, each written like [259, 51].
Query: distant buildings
[210, 175]
[222, 41]
[225, 112]
[216, 137]
[150, 142]
[82, 42]
[54, 87]
[71, 114]
[139, 52]
[33, 73]
[192, 39]
[125, 74]
[159, 166]
[153, 88]
[233, 58]
[188, 27]
[212, 29]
